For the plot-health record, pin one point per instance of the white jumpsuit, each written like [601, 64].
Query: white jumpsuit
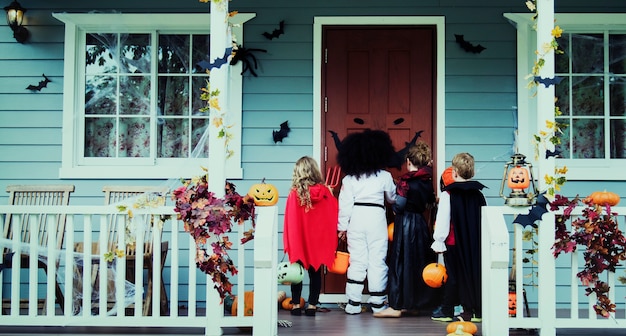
[362, 215]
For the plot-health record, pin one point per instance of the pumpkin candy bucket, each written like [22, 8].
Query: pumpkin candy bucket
[289, 273]
[435, 275]
[340, 265]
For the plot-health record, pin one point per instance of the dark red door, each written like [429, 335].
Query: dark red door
[376, 77]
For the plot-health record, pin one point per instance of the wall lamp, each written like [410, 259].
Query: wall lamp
[15, 15]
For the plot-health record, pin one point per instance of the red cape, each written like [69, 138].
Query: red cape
[311, 237]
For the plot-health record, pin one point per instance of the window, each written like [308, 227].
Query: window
[132, 106]
[591, 95]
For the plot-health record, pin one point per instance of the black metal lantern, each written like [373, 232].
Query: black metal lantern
[15, 16]
[518, 177]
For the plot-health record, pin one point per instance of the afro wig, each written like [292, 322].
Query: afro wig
[365, 153]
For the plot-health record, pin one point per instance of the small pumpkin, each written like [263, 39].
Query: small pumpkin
[435, 275]
[464, 326]
[603, 198]
[519, 178]
[248, 304]
[390, 231]
[263, 194]
[288, 305]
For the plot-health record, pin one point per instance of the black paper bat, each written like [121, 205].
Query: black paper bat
[548, 81]
[217, 63]
[277, 32]
[476, 49]
[42, 84]
[555, 153]
[535, 212]
[282, 133]
[7, 261]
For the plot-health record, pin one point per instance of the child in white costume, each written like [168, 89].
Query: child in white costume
[362, 215]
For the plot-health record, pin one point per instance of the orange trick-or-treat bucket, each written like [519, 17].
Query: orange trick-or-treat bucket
[340, 265]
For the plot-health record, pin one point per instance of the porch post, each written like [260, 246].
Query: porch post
[545, 112]
[218, 79]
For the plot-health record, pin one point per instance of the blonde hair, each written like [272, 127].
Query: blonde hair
[305, 174]
[419, 154]
[463, 163]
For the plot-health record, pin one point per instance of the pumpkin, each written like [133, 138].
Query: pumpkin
[435, 275]
[602, 198]
[390, 231]
[248, 304]
[288, 305]
[464, 326]
[512, 304]
[263, 194]
[518, 178]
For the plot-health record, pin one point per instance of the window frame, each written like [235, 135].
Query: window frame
[77, 25]
[578, 169]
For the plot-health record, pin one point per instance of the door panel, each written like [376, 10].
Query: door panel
[376, 77]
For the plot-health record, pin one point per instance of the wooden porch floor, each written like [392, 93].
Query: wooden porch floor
[335, 322]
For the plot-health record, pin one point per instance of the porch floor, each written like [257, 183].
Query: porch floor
[334, 322]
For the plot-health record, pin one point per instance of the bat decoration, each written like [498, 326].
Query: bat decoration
[282, 133]
[555, 153]
[336, 139]
[535, 212]
[548, 81]
[277, 32]
[217, 63]
[398, 158]
[246, 57]
[7, 261]
[476, 49]
[42, 84]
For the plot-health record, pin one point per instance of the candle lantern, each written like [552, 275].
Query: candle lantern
[518, 177]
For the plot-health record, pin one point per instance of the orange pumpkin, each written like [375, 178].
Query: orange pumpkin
[435, 275]
[518, 178]
[390, 231]
[248, 304]
[288, 305]
[467, 327]
[512, 304]
[263, 194]
[603, 198]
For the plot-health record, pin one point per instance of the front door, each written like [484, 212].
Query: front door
[376, 77]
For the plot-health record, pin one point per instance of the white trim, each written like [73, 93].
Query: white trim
[438, 21]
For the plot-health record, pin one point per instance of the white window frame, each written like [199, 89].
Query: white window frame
[77, 25]
[578, 169]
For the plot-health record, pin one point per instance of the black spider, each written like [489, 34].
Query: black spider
[247, 57]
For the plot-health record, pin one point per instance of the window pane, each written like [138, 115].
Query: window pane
[199, 82]
[173, 95]
[617, 54]
[135, 95]
[173, 53]
[564, 148]
[198, 132]
[587, 53]
[618, 139]
[136, 54]
[173, 138]
[617, 96]
[588, 138]
[562, 94]
[201, 51]
[100, 137]
[134, 137]
[561, 61]
[588, 97]
[99, 56]
[100, 95]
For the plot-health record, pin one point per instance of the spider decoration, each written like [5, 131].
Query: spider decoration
[247, 57]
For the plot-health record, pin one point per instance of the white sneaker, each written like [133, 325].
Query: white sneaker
[378, 310]
[352, 310]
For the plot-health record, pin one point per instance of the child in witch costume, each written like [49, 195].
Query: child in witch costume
[362, 217]
[412, 237]
[457, 236]
[310, 229]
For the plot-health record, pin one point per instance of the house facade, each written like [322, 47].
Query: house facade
[129, 85]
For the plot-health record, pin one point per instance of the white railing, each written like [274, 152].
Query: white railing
[116, 302]
[559, 299]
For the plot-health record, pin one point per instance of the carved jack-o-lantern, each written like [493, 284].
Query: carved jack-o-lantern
[263, 194]
[518, 178]
[512, 304]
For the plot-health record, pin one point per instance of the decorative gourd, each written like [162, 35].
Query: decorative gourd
[435, 275]
[248, 304]
[466, 328]
[288, 305]
[518, 178]
[603, 198]
[390, 231]
[263, 194]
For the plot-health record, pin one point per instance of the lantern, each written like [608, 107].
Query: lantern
[519, 178]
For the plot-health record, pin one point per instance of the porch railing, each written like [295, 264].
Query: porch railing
[513, 255]
[117, 302]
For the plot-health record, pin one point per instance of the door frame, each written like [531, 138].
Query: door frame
[439, 23]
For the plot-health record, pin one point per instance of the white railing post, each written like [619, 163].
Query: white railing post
[265, 272]
[547, 276]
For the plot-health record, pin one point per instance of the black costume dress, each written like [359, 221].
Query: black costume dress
[410, 249]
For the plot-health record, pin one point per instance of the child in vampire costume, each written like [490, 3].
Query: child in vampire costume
[364, 190]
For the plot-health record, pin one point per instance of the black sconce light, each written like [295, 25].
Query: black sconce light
[15, 15]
